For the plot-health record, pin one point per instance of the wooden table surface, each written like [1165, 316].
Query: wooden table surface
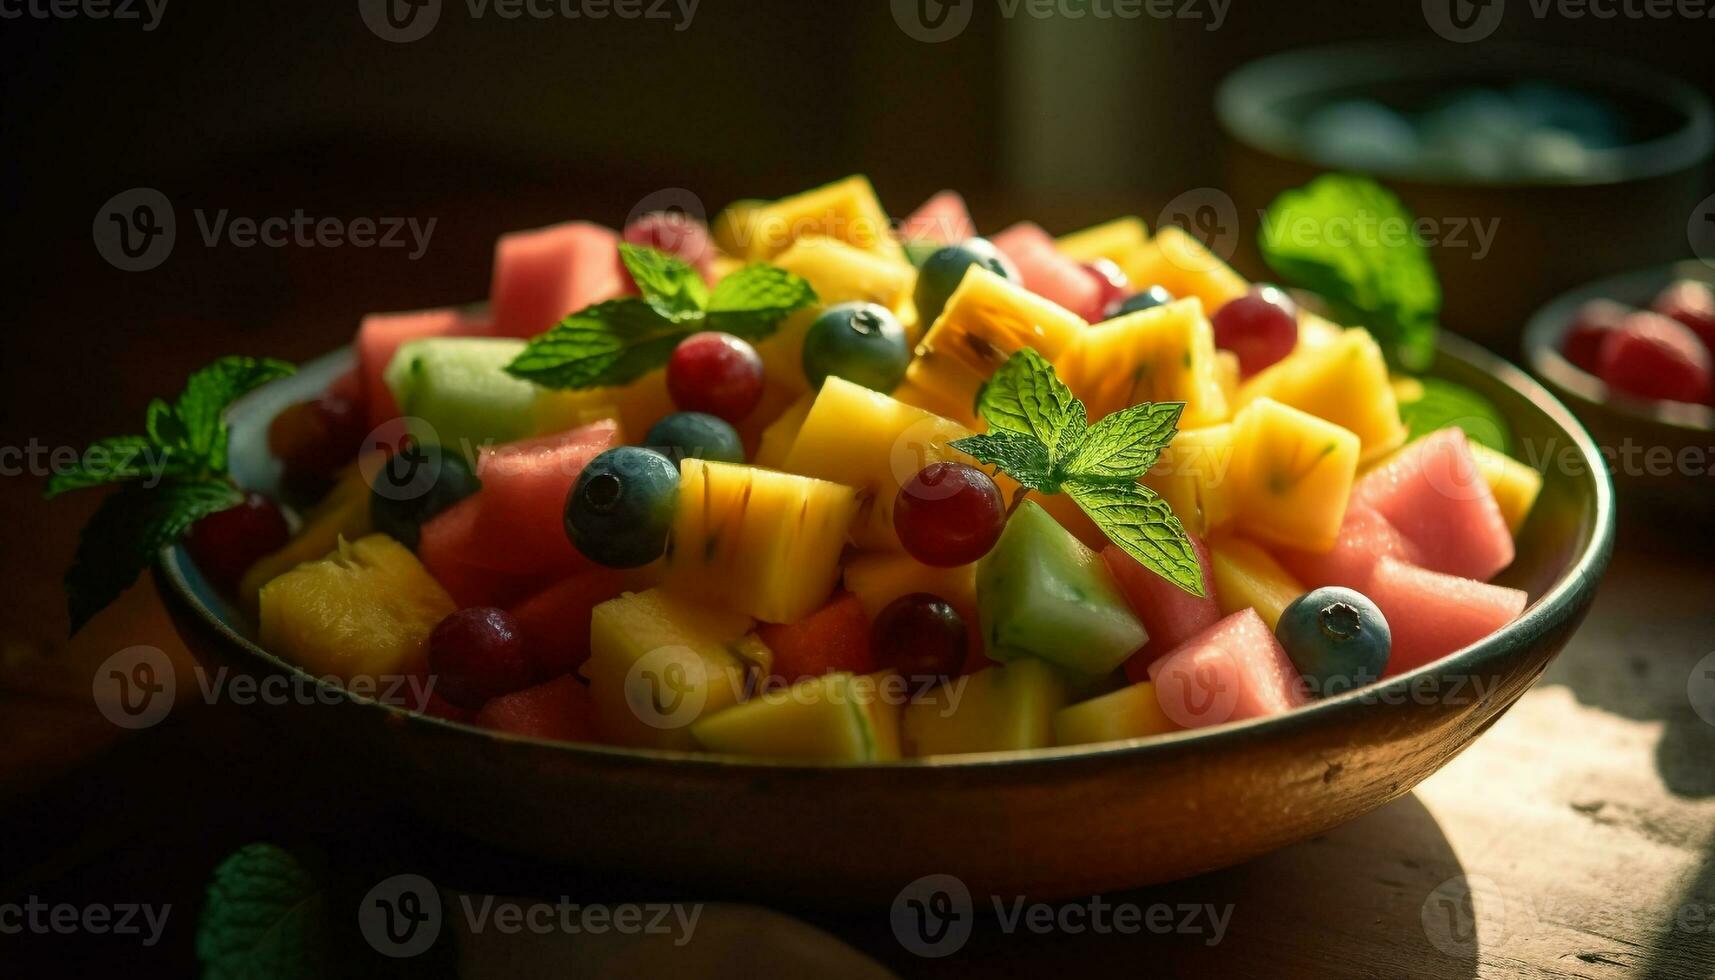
[1576, 838]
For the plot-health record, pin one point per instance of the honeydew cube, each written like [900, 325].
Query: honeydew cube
[996, 709]
[822, 719]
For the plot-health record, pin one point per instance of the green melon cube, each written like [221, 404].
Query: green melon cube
[460, 388]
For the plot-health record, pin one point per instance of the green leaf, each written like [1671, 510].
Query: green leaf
[611, 343]
[1020, 456]
[1350, 240]
[751, 302]
[1444, 404]
[129, 528]
[671, 286]
[265, 917]
[201, 408]
[118, 459]
[1143, 526]
[1124, 445]
[1026, 396]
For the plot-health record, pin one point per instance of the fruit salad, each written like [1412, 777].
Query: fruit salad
[808, 483]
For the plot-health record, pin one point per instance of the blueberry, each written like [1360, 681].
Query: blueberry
[942, 272]
[415, 484]
[1337, 639]
[698, 435]
[621, 508]
[861, 342]
[1147, 300]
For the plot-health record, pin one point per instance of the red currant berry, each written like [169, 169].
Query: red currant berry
[921, 636]
[227, 543]
[1261, 327]
[476, 655]
[715, 373]
[949, 514]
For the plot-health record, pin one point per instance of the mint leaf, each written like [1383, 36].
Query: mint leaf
[117, 459]
[264, 916]
[200, 410]
[1350, 240]
[1445, 404]
[671, 286]
[1020, 456]
[751, 302]
[1141, 524]
[1026, 396]
[129, 528]
[1125, 445]
[610, 343]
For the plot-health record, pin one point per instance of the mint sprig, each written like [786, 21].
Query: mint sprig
[1039, 434]
[620, 340]
[265, 915]
[169, 478]
[1352, 242]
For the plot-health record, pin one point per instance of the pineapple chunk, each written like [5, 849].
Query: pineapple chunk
[1179, 263]
[993, 710]
[1247, 577]
[778, 438]
[865, 439]
[364, 611]
[732, 228]
[986, 321]
[782, 352]
[847, 210]
[659, 662]
[1291, 475]
[559, 411]
[1130, 712]
[1315, 331]
[877, 578]
[1344, 381]
[1164, 354]
[1191, 475]
[1227, 375]
[775, 402]
[1114, 240]
[764, 543]
[883, 695]
[843, 273]
[826, 718]
[1514, 484]
[343, 513]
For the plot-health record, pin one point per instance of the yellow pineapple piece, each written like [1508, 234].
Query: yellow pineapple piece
[758, 541]
[1164, 354]
[732, 229]
[364, 611]
[1291, 475]
[1514, 484]
[1227, 375]
[993, 710]
[1179, 263]
[782, 352]
[843, 273]
[1130, 712]
[826, 718]
[1191, 474]
[883, 694]
[1344, 381]
[775, 401]
[1315, 331]
[1114, 240]
[658, 662]
[778, 437]
[879, 577]
[847, 210]
[343, 513]
[558, 411]
[1247, 577]
[986, 321]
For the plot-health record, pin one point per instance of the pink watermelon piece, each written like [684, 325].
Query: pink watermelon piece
[943, 218]
[1231, 671]
[1433, 492]
[558, 711]
[542, 275]
[452, 552]
[556, 621]
[1432, 615]
[1365, 538]
[1049, 274]
[1170, 614]
[379, 337]
[524, 490]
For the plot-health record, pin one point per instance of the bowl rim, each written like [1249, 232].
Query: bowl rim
[1569, 593]
[1548, 325]
[1245, 103]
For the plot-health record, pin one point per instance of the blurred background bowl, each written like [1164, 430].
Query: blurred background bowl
[1625, 205]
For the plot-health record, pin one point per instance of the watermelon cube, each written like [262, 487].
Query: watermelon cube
[1048, 273]
[1365, 538]
[456, 556]
[380, 336]
[1435, 494]
[555, 622]
[558, 711]
[1231, 671]
[544, 274]
[943, 219]
[524, 489]
[1431, 615]
[1170, 614]
[833, 638]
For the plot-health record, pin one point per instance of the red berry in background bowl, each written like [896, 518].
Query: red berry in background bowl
[1651, 356]
[225, 544]
[477, 655]
[715, 373]
[1261, 327]
[1693, 304]
[1112, 288]
[676, 233]
[949, 514]
[1591, 325]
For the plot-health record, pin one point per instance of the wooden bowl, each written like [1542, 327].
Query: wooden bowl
[1047, 823]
